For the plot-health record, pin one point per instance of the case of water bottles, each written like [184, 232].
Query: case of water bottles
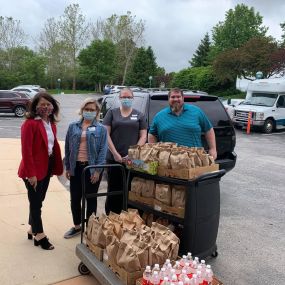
[185, 271]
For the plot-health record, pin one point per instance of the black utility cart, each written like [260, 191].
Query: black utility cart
[202, 211]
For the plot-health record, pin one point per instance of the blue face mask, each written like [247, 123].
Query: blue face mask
[126, 102]
[89, 116]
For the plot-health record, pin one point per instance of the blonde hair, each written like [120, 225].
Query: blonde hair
[90, 101]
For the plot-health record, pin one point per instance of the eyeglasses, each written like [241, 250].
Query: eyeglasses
[127, 97]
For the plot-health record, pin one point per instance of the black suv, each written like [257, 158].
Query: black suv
[151, 103]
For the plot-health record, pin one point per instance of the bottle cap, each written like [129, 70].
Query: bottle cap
[147, 267]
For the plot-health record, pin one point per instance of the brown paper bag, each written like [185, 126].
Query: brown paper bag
[127, 258]
[148, 189]
[134, 152]
[163, 193]
[178, 196]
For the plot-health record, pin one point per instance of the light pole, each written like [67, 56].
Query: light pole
[150, 79]
[58, 85]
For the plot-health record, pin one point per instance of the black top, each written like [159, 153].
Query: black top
[125, 131]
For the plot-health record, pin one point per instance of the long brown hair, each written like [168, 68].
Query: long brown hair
[32, 112]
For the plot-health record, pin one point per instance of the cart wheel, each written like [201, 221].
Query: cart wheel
[215, 254]
[82, 268]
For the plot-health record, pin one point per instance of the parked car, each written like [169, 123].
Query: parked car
[32, 90]
[117, 88]
[230, 105]
[151, 103]
[14, 102]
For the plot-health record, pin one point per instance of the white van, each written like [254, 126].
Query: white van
[265, 99]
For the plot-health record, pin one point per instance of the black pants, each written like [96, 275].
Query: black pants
[115, 183]
[36, 198]
[76, 193]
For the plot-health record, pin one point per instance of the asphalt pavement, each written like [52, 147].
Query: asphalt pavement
[251, 235]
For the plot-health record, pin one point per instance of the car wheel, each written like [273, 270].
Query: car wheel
[268, 126]
[19, 111]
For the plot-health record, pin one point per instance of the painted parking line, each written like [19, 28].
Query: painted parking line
[274, 134]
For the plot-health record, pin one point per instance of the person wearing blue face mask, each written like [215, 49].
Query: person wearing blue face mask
[126, 126]
[85, 144]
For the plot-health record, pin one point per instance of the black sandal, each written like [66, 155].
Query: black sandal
[44, 243]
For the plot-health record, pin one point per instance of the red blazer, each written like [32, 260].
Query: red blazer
[35, 150]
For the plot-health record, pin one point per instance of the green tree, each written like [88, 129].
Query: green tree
[27, 67]
[282, 25]
[241, 24]
[52, 47]
[144, 65]
[97, 63]
[200, 58]
[258, 54]
[196, 78]
[74, 33]
[12, 36]
[127, 33]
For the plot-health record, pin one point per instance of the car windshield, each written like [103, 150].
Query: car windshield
[261, 99]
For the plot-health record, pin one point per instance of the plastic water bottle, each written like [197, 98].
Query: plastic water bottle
[195, 280]
[194, 267]
[187, 281]
[162, 274]
[183, 260]
[167, 261]
[155, 280]
[209, 276]
[177, 268]
[189, 256]
[171, 273]
[146, 276]
[183, 275]
[199, 277]
[168, 270]
[197, 260]
[188, 270]
[165, 281]
[155, 268]
[173, 279]
[203, 265]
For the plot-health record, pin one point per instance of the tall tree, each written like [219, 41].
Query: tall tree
[127, 33]
[144, 66]
[258, 54]
[53, 48]
[282, 25]
[97, 62]
[200, 58]
[74, 32]
[11, 36]
[241, 24]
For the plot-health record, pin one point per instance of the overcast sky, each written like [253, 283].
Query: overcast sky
[174, 28]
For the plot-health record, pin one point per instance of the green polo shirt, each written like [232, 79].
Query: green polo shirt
[185, 129]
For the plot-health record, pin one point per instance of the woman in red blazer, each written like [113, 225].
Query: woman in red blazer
[41, 158]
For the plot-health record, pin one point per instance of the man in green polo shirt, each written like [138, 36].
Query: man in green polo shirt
[183, 124]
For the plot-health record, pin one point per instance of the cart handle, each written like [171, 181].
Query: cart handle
[103, 166]
[211, 175]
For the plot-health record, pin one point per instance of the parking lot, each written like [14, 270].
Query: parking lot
[251, 235]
